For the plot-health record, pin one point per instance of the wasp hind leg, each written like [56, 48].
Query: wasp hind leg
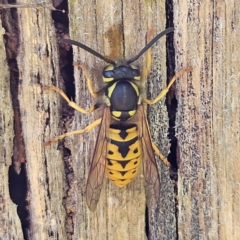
[158, 152]
[165, 90]
[80, 131]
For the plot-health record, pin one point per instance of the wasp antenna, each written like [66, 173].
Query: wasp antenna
[155, 39]
[88, 49]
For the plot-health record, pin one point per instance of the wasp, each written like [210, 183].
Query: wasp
[124, 139]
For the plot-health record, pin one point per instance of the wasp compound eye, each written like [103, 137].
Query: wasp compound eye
[136, 72]
[108, 74]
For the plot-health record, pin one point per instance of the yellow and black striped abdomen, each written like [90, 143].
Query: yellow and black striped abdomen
[123, 154]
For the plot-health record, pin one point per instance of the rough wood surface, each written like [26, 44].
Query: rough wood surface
[207, 124]
[117, 29]
[34, 65]
[207, 38]
[38, 66]
[10, 223]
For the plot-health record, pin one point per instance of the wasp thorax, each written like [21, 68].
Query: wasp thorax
[123, 98]
[124, 72]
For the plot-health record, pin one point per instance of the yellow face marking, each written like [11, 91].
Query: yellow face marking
[109, 67]
[137, 77]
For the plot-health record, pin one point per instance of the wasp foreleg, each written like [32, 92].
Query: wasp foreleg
[71, 103]
[165, 90]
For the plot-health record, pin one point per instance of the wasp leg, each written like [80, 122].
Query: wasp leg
[71, 103]
[158, 152]
[146, 70]
[80, 131]
[165, 90]
[89, 81]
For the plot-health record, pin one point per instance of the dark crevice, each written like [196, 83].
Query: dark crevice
[18, 185]
[147, 222]
[18, 193]
[171, 100]
[172, 105]
[61, 17]
[61, 22]
[67, 73]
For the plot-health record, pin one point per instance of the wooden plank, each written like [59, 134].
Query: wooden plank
[206, 38]
[118, 29]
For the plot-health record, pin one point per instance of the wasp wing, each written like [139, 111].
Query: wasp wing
[150, 170]
[97, 170]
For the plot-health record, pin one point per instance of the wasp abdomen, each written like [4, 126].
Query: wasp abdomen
[123, 154]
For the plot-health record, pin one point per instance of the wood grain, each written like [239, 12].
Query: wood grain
[117, 29]
[206, 38]
[10, 223]
[33, 63]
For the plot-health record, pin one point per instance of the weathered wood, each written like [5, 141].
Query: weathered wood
[35, 65]
[38, 66]
[118, 29]
[120, 210]
[10, 223]
[207, 38]
[207, 123]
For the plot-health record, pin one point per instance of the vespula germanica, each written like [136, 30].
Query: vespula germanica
[123, 139]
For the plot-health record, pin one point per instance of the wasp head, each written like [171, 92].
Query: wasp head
[125, 72]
